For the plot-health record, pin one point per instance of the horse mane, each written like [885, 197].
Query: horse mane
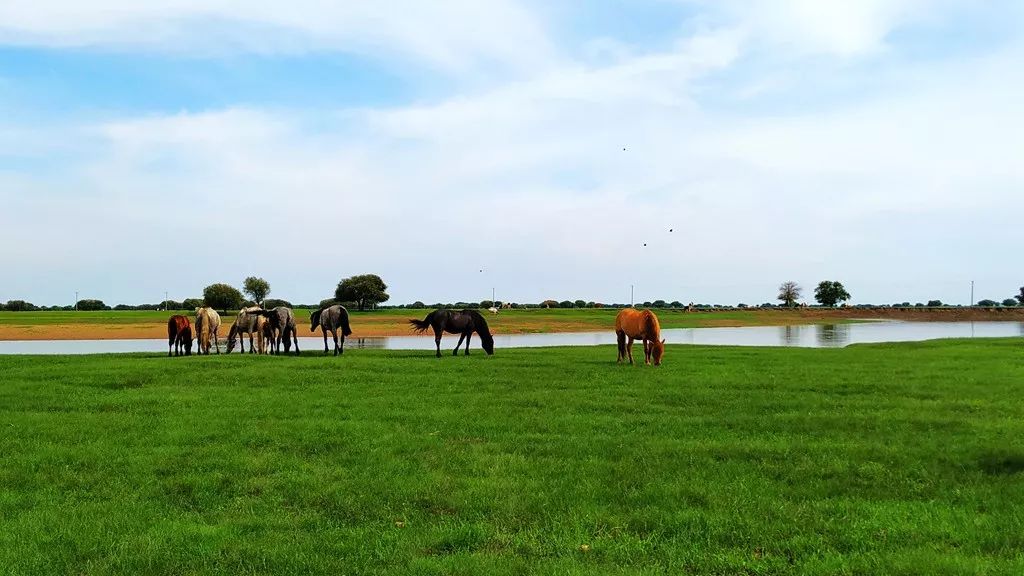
[480, 324]
[651, 325]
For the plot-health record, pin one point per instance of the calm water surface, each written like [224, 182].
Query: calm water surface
[805, 336]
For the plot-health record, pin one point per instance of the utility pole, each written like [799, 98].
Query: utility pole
[631, 303]
[971, 303]
[165, 300]
[76, 300]
[492, 296]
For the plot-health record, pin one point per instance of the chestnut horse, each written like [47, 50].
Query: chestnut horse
[179, 335]
[639, 324]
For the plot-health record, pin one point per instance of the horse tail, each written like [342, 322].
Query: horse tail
[422, 325]
[346, 330]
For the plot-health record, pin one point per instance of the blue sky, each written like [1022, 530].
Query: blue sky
[167, 145]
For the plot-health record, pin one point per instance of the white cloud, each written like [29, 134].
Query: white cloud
[529, 181]
[453, 35]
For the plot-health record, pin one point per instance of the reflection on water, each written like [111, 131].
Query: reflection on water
[833, 335]
[811, 336]
[790, 335]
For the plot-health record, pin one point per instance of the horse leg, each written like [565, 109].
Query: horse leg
[252, 349]
[459, 345]
[469, 335]
[170, 344]
[437, 341]
[295, 339]
[216, 342]
[341, 344]
[647, 351]
[324, 329]
[629, 350]
[620, 338]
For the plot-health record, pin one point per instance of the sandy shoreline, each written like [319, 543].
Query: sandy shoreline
[370, 326]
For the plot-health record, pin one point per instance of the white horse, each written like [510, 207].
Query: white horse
[207, 325]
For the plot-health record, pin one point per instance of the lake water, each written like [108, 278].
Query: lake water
[804, 336]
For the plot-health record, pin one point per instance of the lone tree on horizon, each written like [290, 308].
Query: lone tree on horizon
[789, 292]
[364, 289]
[257, 288]
[1020, 297]
[830, 293]
[222, 297]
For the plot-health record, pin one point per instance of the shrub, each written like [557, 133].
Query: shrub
[565, 304]
[580, 304]
[222, 297]
[90, 304]
[987, 303]
[1010, 302]
[191, 303]
[19, 306]
[934, 303]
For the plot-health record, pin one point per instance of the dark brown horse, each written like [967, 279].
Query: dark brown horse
[464, 323]
[179, 335]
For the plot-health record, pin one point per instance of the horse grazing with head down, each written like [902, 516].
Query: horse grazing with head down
[463, 323]
[282, 321]
[331, 320]
[247, 322]
[207, 325]
[642, 324]
[179, 335]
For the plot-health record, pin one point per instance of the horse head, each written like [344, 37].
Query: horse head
[657, 351]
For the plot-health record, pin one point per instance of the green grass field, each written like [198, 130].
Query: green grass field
[884, 459]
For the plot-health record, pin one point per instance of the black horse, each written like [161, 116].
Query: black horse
[463, 323]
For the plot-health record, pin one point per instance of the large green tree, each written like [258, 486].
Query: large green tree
[829, 293]
[366, 290]
[1020, 297]
[257, 289]
[222, 297]
[789, 292]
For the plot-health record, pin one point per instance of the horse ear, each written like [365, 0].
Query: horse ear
[662, 340]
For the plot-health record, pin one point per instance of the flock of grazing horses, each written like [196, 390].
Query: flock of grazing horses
[270, 330]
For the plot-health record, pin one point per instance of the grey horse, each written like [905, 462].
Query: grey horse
[247, 322]
[282, 320]
[330, 320]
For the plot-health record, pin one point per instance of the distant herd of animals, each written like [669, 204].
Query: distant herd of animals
[271, 330]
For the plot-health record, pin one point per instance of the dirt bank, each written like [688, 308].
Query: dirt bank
[368, 326]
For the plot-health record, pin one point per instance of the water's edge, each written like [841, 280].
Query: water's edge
[803, 336]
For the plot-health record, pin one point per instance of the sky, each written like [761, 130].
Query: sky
[696, 150]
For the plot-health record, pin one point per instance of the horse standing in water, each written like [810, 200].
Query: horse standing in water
[207, 325]
[282, 321]
[179, 335]
[642, 324]
[332, 319]
[463, 323]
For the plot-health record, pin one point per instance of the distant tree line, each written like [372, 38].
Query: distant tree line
[368, 291]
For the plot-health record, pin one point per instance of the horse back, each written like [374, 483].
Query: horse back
[638, 323]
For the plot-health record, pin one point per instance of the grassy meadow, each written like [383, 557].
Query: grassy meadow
[898, 459]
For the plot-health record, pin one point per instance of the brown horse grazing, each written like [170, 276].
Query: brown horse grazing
[642, 324]
[179, 335]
